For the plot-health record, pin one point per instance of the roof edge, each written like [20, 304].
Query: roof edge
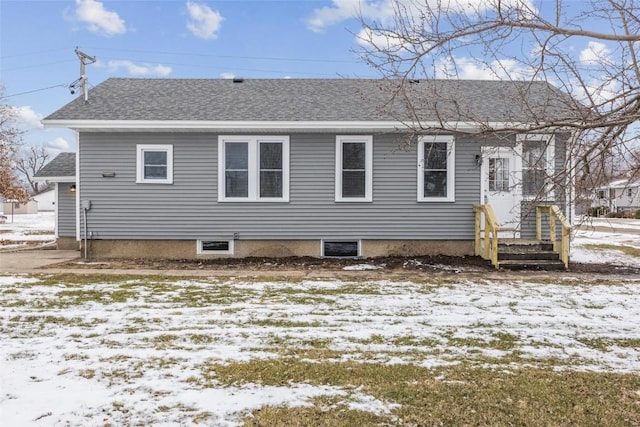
[169, 125]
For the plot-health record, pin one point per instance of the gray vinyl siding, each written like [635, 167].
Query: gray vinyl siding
[188, 208]
[66, 210]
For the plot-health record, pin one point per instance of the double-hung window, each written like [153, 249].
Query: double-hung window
[253, 168]
[154, 164]
[354, 168]
[436, 168]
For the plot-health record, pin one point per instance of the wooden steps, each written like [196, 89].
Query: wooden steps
[521, 254]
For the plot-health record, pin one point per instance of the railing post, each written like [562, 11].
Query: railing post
[552, 229]
[478, 217]
[487, 242]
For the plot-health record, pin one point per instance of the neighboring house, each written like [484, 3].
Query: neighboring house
[619, 195]
[182, 168]
[61, 172]
[46, 200]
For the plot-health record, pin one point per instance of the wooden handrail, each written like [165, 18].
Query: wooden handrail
[555, 214]
[490, 238]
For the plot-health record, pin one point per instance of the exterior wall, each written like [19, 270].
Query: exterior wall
[622, 200]
[188, 208]
[185, 249]
[46, 201]
[66, 215]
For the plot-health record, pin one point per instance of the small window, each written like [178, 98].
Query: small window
[436, 169]
[354, 164]
[154, 164]
[253, 168]
[499, 174]
[215, 247]
[629, 192]
[341, 249]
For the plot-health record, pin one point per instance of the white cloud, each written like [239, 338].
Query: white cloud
[470, 69]
[383, 11]
[595, 53]
[26, 118]
[134, 69]
[98, 19]
[57, 145]
[203, 22]
[227, 75]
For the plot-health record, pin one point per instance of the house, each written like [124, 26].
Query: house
[186, 168]
[61, 172]
[622, 195]
[46, 200]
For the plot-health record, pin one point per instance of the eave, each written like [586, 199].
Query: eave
[267, 126]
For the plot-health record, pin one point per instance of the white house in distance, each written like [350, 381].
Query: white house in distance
[620, 195]
[46, 200]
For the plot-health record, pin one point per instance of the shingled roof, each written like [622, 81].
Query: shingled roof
[313, 100]
[62, 166]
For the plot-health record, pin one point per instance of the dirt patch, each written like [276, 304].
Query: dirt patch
[422, 264]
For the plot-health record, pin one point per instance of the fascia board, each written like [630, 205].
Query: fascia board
[54, 178]
[196, 125]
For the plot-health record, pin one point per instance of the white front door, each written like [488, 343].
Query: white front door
[501, 187]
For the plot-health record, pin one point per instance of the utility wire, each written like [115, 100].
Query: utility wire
[213, 55]
[35, 90]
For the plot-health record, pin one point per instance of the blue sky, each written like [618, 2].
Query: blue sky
[184, 39]
[169, 38]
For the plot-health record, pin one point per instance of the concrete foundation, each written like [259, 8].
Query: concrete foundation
[67, 244]
[187, 249]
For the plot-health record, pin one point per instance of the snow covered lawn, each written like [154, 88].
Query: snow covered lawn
[21, 230]
[88, 350]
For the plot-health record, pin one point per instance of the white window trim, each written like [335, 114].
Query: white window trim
[140, 149]
[451, 168]
[550, 152]
[254, 167]
[322, 242]
[368, 189]
[201, 251]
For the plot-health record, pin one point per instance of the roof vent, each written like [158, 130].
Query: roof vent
[238, 79]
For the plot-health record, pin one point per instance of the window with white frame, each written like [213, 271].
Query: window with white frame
[436, 168]
[537, 157]
[154, 164]
[354, 168]
[253, 168]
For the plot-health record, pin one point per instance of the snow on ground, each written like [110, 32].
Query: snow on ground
[138, 352]
[19, 229]
[624, 232]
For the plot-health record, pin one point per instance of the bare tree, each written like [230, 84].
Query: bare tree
[29, 160]
[591, 55]
[10, 139]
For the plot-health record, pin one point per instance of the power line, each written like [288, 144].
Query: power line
[35, 90]
[267, 58]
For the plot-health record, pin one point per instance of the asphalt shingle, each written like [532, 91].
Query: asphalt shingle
[316, 100]
[63, 165]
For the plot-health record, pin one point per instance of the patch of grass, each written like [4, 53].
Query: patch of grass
[325, 411]
[627, 250]
[283, 323]
[605, 344]
[456, 395]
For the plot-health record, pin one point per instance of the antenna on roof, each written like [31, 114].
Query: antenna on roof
[82, 81]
